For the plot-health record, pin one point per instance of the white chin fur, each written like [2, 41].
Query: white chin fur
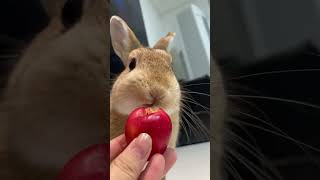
[127, 106]
[171, 111]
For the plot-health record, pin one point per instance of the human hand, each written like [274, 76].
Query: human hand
[128, 161]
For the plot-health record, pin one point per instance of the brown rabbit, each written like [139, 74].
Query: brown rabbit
[55, 101]
[148, 79]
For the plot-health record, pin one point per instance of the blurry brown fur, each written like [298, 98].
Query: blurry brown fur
[55, 98]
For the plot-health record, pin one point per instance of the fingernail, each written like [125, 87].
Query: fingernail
[142, 146]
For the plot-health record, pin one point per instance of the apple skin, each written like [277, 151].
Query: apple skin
[155, 122]
[91, 163]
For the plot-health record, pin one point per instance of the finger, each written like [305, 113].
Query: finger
[155, 168]
[130, 163]
[170, 156]
[117, 145]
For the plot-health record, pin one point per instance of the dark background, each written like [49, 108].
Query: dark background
[270, 36]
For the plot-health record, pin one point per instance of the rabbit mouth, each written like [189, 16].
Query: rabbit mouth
[148, 105]
[154, 101]
[153, 104]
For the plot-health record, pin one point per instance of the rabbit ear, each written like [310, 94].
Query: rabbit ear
[164, 42]
[53, 8]
[70, 12]
[65, 12]
[122, 38]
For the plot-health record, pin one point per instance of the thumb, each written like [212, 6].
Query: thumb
[130, 163]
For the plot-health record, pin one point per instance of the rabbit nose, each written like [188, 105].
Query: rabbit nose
[154, 98]
[151, 100]
[157, 94]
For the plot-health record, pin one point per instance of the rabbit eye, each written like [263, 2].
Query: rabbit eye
[132, 64]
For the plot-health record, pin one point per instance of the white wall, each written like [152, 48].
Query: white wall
[152, 21]
[196, 39]
[161, 18]
[181, 65]
[204, 6]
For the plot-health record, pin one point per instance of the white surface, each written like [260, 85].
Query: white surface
[193, 163]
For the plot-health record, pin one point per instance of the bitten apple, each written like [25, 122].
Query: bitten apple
[153, 121]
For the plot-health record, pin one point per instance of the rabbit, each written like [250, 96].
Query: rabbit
[147, 80]
[55, 100]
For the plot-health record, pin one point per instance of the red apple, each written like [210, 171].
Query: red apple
[153, 121]
[89, 164]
